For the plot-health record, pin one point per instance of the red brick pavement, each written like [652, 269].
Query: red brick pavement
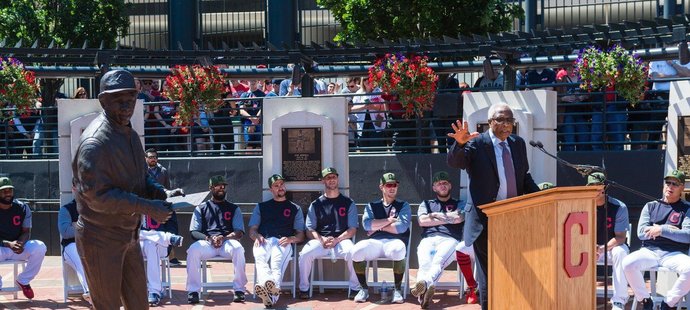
[48, 289]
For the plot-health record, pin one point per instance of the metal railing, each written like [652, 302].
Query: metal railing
[582, 125]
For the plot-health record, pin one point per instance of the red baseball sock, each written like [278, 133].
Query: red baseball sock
[465, 264]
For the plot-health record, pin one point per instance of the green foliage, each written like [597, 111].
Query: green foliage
[393, 19]
[63, 20]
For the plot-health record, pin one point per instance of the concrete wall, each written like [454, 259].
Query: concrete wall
[640, 170]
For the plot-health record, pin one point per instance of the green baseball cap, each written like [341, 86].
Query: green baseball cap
[328, 171]
[274, 178]
[217, 180]
[5, 182]
[680, 175]
[596, 178]
[388, 178]
[440, 176]
[545, 185]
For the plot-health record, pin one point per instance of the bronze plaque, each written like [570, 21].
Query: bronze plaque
[302, 198]
[301, 154]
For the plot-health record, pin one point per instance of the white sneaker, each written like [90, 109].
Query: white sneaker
[617, 306]
[362, 296]
[397, 297]
[419, 288]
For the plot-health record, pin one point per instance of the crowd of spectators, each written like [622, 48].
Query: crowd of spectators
[377, 124]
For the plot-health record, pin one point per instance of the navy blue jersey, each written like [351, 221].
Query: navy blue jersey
[12, 220]
[278, 218]
[217, 218]
[670, 214]
[330, 217]
[448, 230]
[382, 212]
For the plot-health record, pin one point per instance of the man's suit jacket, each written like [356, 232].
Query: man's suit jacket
[478, 158]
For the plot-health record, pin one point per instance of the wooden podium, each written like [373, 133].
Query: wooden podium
[542, 250]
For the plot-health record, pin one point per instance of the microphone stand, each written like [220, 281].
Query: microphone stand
[586, 170]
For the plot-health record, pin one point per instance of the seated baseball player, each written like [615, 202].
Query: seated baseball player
[15, 231]
[275, 225]
[387, 222]
[155, 239]
[217, 226]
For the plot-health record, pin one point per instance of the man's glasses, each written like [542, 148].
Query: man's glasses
[391, 185]
[351, 86]
[152, 157]
[672, 184]
[148, 83]
[504, 120]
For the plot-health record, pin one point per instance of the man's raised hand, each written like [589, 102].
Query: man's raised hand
[461, 132]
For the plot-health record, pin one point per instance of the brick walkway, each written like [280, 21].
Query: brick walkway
[48, 289]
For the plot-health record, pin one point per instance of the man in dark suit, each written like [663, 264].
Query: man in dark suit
[496, 163]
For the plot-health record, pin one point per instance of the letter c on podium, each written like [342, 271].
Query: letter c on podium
[575, 218]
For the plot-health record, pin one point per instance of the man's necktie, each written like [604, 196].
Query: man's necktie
[509, 170]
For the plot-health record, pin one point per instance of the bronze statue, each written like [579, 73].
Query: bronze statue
[113, 190]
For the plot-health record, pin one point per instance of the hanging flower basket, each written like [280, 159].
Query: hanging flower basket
[409, 78]
[615, 68]
[18, 88]
[195, 88]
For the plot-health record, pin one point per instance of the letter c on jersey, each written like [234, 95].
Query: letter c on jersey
[16, 220]
[575, 218]
[227, 216]
[151, 223]
[286, 213]
[341, 211]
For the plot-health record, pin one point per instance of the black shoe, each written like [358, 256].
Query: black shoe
[664, 306]
[304, 295]
[647, 304]
[154, 299]
[175, 262]
[193, 298]
[239, 297]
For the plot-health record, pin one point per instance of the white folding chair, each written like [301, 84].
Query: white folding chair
[70, 281]
[207, 285]
[405, 285]
[656, 298]
[6, 290]
[321, 283]
[166, 280]
[293, 282]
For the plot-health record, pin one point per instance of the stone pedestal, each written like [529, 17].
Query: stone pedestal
[74, 115]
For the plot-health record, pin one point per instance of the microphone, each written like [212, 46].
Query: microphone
[584, 170]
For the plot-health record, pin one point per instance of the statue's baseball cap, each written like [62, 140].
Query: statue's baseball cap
[327, 171]
[274, 178]
[115, 81]
[5, 182]
[677, 174]
[389, 178]
[217, 180]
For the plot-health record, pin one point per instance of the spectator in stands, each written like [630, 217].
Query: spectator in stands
[574, 110]
[492, 79]
[221, 122]
[331, 89]
[250, 110]
[238, 88]
[616, 115]
[274, 226]
[201, 132]
[170, 139]
[540, 78]
[371, 115]
[26, 132]
[387, 223]
[664, 229]
[351, 87]
[67, 220]
[152, 118]
[331, 224]
[217, 227]
[274, 90]
[80, 93]
[611, 237]
[15, 231]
